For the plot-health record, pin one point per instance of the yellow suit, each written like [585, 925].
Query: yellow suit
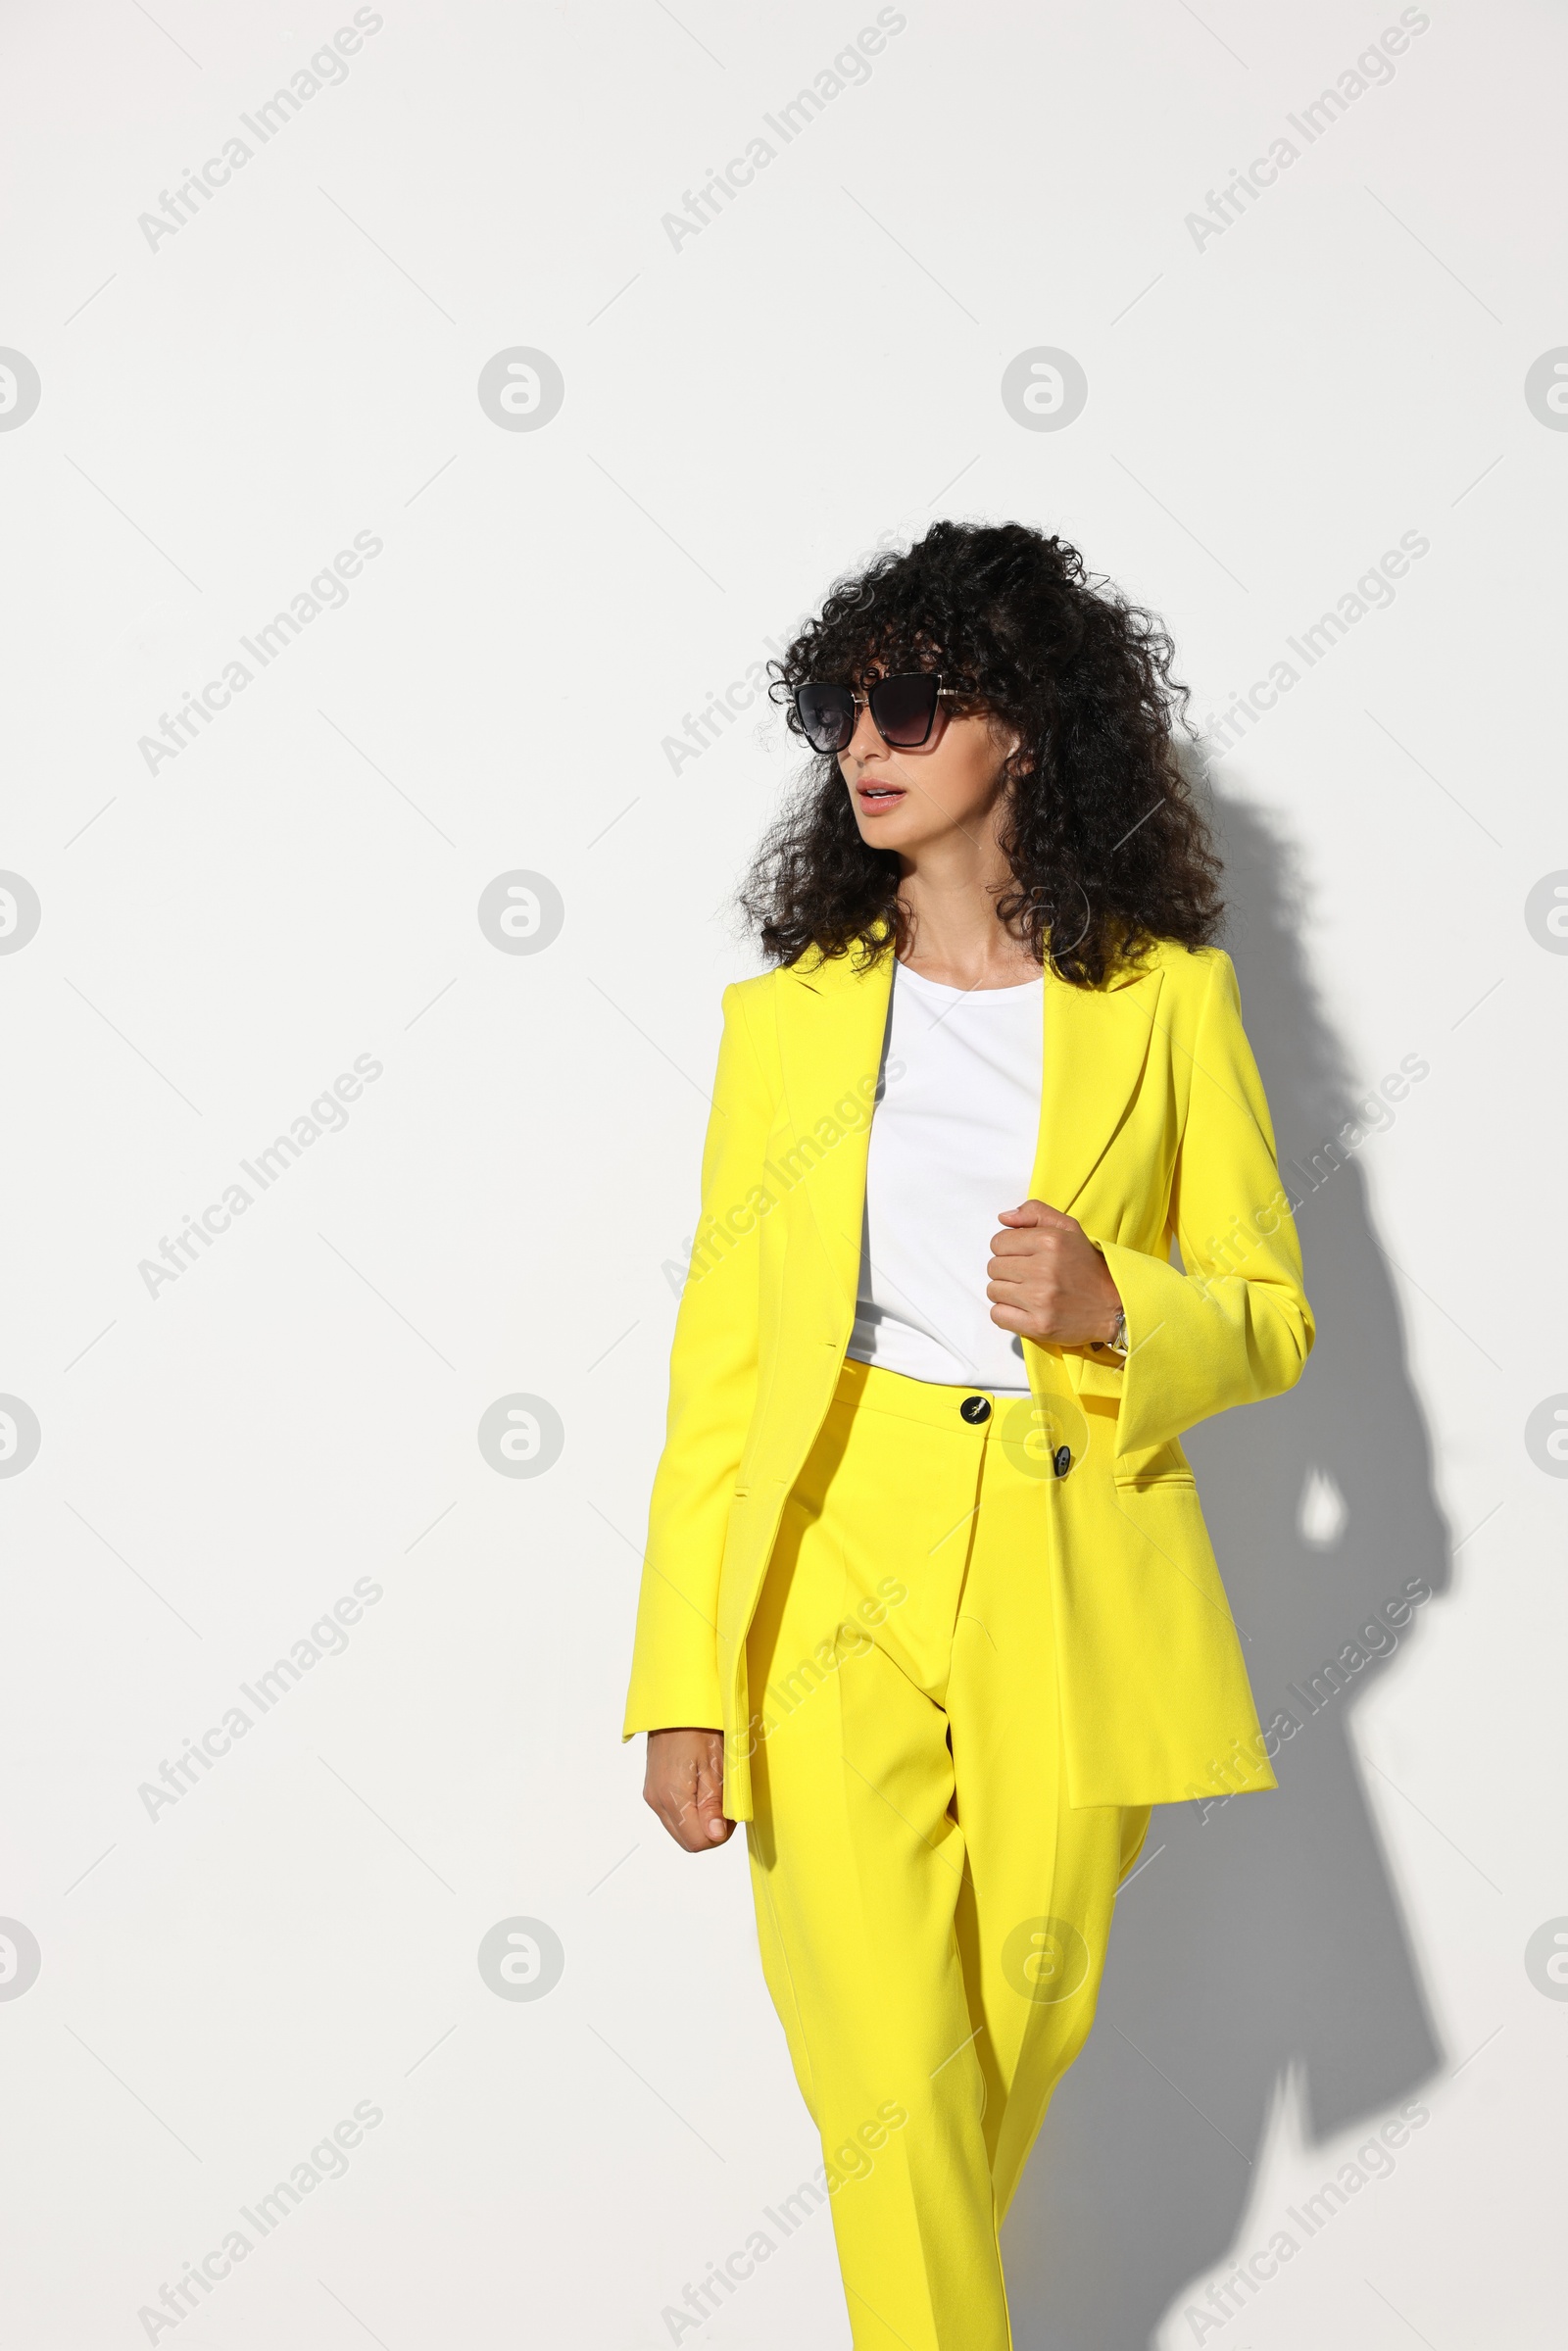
[958, 1643]
[1152, 1123]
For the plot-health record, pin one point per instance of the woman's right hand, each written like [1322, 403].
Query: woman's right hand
[685, 1786]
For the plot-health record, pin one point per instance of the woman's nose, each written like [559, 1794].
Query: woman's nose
[865, 743]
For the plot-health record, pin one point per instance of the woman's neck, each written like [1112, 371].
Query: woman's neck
[949, 898]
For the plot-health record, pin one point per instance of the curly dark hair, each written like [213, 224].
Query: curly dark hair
[1109, 848]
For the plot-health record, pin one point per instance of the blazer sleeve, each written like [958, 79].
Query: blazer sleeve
[1234, 1326]
[712, 1392]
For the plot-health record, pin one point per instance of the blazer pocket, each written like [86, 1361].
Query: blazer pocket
[1162, 1465]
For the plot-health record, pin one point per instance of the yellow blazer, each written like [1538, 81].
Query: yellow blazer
[1153, 1125]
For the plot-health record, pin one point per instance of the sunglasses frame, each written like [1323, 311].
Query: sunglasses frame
[857, 701]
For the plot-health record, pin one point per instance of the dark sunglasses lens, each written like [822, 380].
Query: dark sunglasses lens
[904, 709]
[827, 715]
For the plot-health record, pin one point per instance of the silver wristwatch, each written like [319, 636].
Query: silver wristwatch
[1117, 1342]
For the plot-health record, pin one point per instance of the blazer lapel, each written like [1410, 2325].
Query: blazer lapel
[831, 1023]
[1095, 1043]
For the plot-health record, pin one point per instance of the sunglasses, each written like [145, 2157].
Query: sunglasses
[904, 711]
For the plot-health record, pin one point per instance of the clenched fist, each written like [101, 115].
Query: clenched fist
[684, 1785]
[1047, 1280]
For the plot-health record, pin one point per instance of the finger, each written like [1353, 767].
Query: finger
[670, 1822]
[684, 1805]
[685, 1832]
[700, 1791]
[667, 1803]
[693, 1835]
[1025, 1260]
[674, 1799]
[1018, 1245]
[712, 1827]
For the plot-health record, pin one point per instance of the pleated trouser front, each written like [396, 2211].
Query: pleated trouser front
[932, 1912]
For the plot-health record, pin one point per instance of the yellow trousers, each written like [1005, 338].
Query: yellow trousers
[932, 1912]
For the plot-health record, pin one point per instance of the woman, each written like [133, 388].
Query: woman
[928, 1599]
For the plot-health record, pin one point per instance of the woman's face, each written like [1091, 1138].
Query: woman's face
[908, 799]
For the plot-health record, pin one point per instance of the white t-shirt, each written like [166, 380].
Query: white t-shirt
[953, 1143]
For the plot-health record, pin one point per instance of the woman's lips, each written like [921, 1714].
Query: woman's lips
[875, 798]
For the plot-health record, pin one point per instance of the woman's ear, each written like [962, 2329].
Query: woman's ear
[1008, 741]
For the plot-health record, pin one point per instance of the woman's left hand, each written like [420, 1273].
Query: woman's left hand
[1047, 1280]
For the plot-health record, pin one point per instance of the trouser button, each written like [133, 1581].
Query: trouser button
[975, 1408]
[1061, 1460]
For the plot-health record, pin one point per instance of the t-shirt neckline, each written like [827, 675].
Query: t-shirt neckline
[942, 987]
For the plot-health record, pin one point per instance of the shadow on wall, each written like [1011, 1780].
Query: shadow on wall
[1266, 1936]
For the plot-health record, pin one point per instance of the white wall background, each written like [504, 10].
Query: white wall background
[221, 411]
